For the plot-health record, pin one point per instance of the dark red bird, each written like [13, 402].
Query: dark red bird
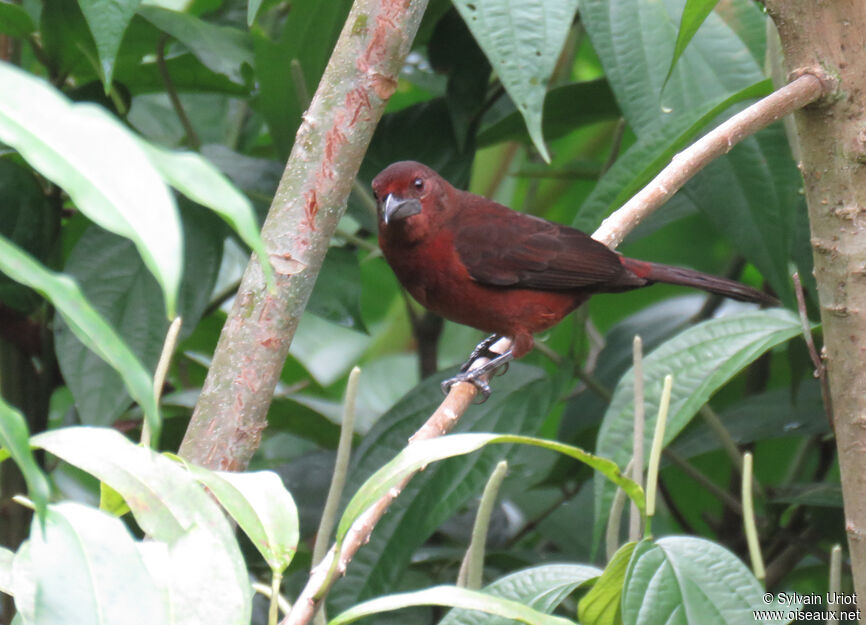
[484, 265]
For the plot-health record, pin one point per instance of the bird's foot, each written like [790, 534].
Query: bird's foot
[479, 375]
[473, 377]
[481, 350]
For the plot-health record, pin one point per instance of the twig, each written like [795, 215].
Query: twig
[634, 527]
[149, 438]
[807, 88]
[341, 468]
[192, 137]
[820, 369]
[749, 524]
[472, 568]
[714, 489]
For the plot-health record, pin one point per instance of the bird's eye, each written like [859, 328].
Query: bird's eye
[419, 184]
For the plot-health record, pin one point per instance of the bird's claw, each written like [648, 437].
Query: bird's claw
[482, 386]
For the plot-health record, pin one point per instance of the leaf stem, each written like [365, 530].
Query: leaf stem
[652, 473]
[749, 524]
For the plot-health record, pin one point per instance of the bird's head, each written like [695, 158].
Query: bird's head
[405, 193]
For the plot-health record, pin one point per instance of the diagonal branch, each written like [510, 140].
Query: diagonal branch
[805, 89]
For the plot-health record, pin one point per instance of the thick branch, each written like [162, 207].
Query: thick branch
[615, 228]
[362, 74]
[833, 151]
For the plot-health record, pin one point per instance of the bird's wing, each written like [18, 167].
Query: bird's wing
[506, 248]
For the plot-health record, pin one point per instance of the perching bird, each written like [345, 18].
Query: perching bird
[484, 265]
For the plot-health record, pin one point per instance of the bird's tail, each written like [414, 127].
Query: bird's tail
[656, 272]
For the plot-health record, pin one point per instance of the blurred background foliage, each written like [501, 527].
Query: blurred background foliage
[194, 75]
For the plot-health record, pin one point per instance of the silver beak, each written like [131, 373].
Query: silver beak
[394, 208]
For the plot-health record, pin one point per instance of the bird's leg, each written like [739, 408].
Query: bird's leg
[482, 349]
[475, 376]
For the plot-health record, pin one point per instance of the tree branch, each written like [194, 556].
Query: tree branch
[805, 89]
[361, 75]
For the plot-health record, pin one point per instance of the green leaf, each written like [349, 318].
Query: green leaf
[200, 181]
[15, 439]
[87, 324]
[261, 506]
[694, 14]
[541, 588]
[116, 283]
[14, 21]
[420, 454]
[89, 569]
[566, 108]
[196, 554]
[454, 597]
[108, 22]
[111, 501]
[522, 41]
[685, 579]
[95, 159]
[701, 359]
[221, 49]
[601, 605]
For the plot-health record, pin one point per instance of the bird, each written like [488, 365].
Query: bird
[507, 273]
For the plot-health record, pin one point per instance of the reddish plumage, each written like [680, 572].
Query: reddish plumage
[482, 264]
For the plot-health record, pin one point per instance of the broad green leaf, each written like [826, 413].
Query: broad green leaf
[88, 569]
[6, 558]
[694, 14]
[684, 579]
[95, 159]
[701, 359]
[86, 323]
[15, 439]
[653, 150]
[222, 49]
[541, 588]
[261, 506]
[522, 41]
[566, 108]
[116, 283]
[454, 597]
[14, 21]
[194, 549]
[601, 605]
[108, 22]
[200, 181]
[422, 453]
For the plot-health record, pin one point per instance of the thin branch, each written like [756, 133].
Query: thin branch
[817, 362]
[191, 135]
[807, 88]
